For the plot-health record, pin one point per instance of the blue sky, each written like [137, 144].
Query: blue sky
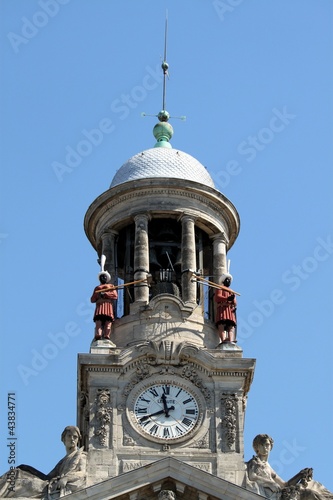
[254, 79]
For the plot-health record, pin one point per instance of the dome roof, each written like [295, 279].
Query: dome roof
[162, 162]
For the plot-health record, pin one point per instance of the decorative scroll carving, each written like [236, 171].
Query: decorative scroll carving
[244, 402]
[160, 352]
[142, 372]
[84, 405]
[190, 373]
[229, 419]
[167, 370]
[203, 442]
[103, 411]
[128, 440]
[157, 352]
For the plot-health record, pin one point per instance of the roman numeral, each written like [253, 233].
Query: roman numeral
[166, 432]
[180, 390]
[166, 389]
[179, 430]
[190, 412]
[154, 429]
[187, 401]
[153, 392]
[186, 421]
[143, 399]
[142, 410]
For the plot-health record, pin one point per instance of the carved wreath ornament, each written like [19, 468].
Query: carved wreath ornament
[103, 411]
[229, 420]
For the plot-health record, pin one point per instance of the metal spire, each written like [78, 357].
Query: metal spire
[163, 131]
[163, 115]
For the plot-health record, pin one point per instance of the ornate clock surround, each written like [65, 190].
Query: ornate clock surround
[185, 415]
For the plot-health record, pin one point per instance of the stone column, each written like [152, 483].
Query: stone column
[219, 255]
[141, 257]
[108, 249]
[189, 288]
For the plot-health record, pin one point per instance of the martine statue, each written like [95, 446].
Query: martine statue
[226, 310]
[68, 476]
[262, 479]
[103, 296]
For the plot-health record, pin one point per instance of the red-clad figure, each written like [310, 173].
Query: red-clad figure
[226, 311]
[103, 296]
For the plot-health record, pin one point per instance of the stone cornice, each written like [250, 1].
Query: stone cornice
[154, 189]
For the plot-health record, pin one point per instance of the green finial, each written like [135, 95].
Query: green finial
[163, 132]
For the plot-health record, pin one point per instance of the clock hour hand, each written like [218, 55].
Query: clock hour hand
[165, 406]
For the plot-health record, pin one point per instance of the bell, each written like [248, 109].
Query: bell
[178, 262]
[166, 234]
[153, 262]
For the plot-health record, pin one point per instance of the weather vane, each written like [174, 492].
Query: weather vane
[163, 115]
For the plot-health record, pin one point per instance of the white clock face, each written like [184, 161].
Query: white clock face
[166, 411]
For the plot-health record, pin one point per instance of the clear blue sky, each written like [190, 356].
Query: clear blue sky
[255, 79]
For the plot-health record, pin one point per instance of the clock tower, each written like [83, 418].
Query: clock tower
[163, 386]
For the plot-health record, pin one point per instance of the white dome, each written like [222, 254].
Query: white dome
[163, 162]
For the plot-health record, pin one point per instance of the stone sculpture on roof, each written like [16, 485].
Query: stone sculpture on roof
[262, 479]
[68, 476]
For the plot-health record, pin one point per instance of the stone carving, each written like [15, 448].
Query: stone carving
[103, 411]
[166, 495]
[68, 476]
[166, 370]
[203, 442]
[160, 352]
[128, 465]
[229, 420]
[205, 466]
[84, 404]
[142, 372]
[262, 479]
[190, 373]
[291, 493]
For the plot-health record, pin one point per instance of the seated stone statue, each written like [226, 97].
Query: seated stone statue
[261, 478]
[68, 476]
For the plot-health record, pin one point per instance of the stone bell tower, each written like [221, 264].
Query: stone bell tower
[163, 387]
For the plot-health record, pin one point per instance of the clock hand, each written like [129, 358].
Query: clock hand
[166, 409]
[145, 417]
[165, 406]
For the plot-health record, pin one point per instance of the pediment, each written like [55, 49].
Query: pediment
[145, 483]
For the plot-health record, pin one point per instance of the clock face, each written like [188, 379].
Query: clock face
[166, 411]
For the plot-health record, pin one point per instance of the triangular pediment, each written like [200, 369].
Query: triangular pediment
[146, 483]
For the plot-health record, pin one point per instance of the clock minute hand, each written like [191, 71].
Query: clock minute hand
[145, 417]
